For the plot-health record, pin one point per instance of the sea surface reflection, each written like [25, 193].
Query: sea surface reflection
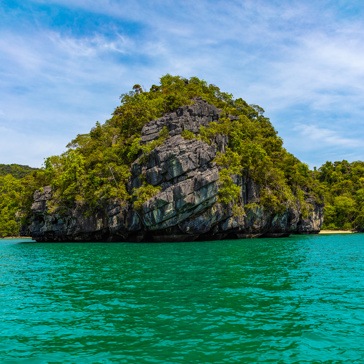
[291, 300]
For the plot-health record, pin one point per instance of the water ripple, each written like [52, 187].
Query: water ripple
[292, 300]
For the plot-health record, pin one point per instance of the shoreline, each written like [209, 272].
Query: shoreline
[17, 237]
[337, 232]
[320, 232]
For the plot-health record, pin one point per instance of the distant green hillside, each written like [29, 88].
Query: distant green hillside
[16, 170]
[15, 193]
[343, 185]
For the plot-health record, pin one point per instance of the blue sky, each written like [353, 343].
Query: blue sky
[64, 64]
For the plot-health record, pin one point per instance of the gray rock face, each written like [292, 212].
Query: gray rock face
[187, 206]
[189, 117]
[40, 199]
[176, 160]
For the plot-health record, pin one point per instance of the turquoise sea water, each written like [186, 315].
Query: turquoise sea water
[291, 300]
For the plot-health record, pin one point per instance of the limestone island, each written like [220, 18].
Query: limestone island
[181, 162]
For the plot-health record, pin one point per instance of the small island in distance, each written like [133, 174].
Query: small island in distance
[180, 162]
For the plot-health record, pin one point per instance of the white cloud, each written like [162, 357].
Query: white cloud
[27, 149]
[299, 60]
[90, 46]
[53, 87]
[320, 70]
[315, 145]
[319, 138]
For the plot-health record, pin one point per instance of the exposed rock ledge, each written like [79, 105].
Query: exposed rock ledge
[187, 207]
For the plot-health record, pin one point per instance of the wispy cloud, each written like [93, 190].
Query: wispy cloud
[49, 75]
[301, 61]
[316, 138]
[91, 46]
[29, 149]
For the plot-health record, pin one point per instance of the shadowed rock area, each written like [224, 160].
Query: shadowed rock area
[187, 207]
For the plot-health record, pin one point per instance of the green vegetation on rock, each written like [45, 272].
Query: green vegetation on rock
[255, 151]
[96, 167]
[143, 194]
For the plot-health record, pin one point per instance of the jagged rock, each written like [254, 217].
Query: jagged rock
[175, 158]
[40, 199]
[189, 117]
[187, 206]
[313, 222]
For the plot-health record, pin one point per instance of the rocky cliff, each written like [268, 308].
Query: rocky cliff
[187, 207]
